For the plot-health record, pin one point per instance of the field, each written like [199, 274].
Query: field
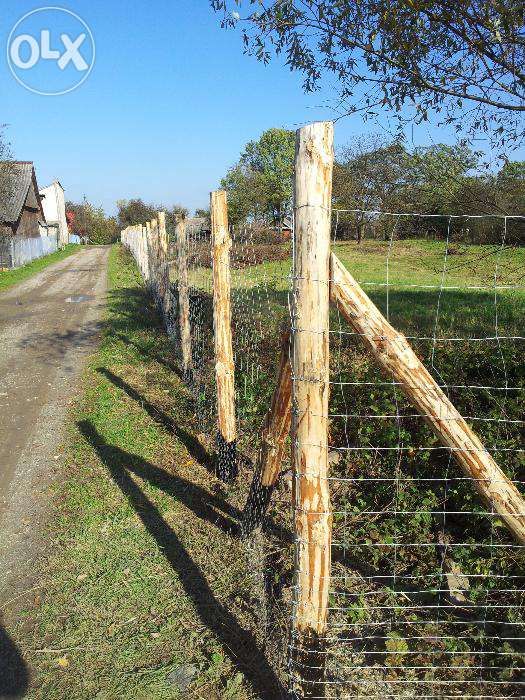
[151, 594]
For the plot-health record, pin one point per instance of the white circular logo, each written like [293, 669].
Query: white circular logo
[51, 51]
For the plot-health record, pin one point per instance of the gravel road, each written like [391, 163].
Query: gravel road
[49, 324]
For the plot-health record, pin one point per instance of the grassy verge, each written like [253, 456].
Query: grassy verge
[148, 594]
[10, 277]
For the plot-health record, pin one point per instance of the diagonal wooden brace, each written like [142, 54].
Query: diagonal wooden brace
[275, 429]
[395, 355]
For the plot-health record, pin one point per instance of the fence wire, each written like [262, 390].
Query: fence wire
[260, 274]
[260, 280]
[427, 585]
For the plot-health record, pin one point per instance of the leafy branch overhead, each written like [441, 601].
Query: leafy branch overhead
[461, 59]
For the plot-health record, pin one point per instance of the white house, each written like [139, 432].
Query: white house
[54, 205]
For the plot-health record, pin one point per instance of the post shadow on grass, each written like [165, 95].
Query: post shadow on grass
[239, 644]
[204, 504]
[171, 366]
[14, 674]
[196, 450]
[194, 447]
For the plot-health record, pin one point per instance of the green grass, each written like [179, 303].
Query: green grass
[146, 585]
[10, 277]
[405, 280]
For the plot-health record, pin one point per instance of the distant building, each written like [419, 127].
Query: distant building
[54, 205]
[198, 223]
[287, 228]
[21, 212]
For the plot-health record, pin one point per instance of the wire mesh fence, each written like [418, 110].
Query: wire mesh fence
[427, 590]
[390, 562]
[260, 274]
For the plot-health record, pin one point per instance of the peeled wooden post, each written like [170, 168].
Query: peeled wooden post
[310, 369]
[147, 249]
[154, 246]
[139, 250]
[157, 256]
[138, 243]
[184, 298]
[165, 296]
[145, 253]
[224, 364]
[142, 266]
[275, 429]
[394, 353]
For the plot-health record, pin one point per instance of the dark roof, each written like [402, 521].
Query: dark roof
[15, 180]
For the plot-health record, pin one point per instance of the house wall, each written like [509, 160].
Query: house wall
[50, 230]
[54, 206]
[27, 224]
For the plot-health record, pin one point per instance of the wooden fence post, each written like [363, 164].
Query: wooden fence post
[154, 243]
[276, 428]
[310, 371]
[147, 253]
[184, 298]
[142, 265]
[224, 364]
[165, 296]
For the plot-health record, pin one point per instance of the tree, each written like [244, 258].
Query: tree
[510, 187]
[244, 200]
[134, 211]
[271, 159]
[5, 150]
[461, 59]
[435, 176]
[371, 175]
[260, 184]
[367, 177]
[6, 182]
[92, 223]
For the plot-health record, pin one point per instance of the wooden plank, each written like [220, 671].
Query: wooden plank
[147, 253]
[395, 355]
[224, 364]
[275, 429]
[310, 369]
[184, 298]
[164, 283]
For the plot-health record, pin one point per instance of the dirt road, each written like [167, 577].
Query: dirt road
[48, 325]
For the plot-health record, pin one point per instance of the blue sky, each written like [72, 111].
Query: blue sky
[167, 108]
